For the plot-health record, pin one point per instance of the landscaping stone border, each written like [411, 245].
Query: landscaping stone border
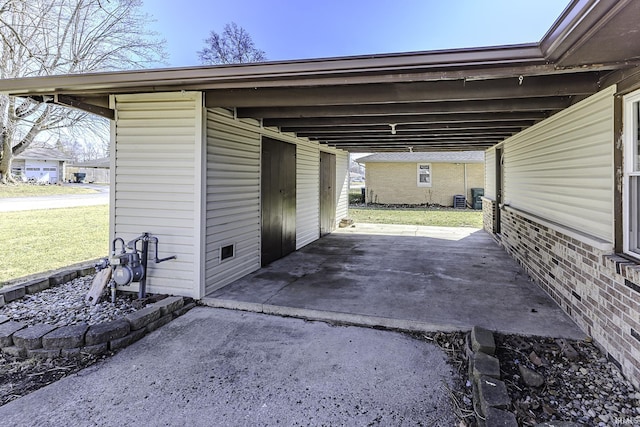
[48, 341]
[490, 398]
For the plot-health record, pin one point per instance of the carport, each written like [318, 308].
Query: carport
[209, 124]
[413, 278]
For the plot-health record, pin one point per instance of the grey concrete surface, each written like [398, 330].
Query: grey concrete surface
[406, 277]
[11, 204]
[214, 367]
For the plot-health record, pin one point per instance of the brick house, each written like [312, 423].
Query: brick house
[432, 178]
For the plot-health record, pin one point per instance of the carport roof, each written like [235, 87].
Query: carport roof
[463, 99]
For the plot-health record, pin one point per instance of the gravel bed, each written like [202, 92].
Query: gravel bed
[587, 390]
[65, 305]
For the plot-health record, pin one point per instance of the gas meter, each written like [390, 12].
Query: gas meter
[127, 268]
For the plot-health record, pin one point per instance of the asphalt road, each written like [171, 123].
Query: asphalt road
[216, 367]
[60, 201]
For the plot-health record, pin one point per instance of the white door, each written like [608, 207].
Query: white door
[40, 170]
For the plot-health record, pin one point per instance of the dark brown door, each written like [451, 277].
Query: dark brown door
[278, 194]
[327, 193]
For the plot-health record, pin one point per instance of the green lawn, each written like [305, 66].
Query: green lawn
[30, 190]
[442, 217]
[41, 240]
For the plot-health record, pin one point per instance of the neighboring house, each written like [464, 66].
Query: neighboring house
[41, 164]
[234, 166]
[431, 178]
[97, 170]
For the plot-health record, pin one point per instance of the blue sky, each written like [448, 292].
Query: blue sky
[288, 29]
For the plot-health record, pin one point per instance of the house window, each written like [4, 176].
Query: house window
[424, 175]
[632, 174]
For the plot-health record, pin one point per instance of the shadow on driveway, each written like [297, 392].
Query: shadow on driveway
[405, 277]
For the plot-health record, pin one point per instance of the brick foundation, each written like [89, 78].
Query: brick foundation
[598, 289]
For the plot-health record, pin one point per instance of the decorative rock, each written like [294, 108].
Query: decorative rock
[169, 304]
[41, 353]
[31, 337]
[86, 271]
[129, 339]
[482, 340]
[95, 349]
[568, 350]
[7, 330]
[70, 352]
[535, 359]
[61, 278]
[4, 319]
[15, 351]
[142, 318]
[36, 286]
[105, 332]
[559, 424]
[160, 322]
[485, 365]
[499, 418]
[65, 337]
[493, 394]
[12, 293]
[184, 309]
[531, 377]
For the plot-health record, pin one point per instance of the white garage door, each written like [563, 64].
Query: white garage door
[41, 171]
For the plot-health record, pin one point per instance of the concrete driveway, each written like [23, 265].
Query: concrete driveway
[214, 367]
[406, 277]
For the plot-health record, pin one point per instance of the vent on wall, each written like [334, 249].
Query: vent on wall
[227, 252]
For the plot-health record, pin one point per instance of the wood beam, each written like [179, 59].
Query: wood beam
[467, 118]
[69, 101]
[507, 126]
[450, 107]
[416, 133]
[445, 90]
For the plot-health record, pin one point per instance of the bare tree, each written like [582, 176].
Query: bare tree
[233, 46]
[47, 37]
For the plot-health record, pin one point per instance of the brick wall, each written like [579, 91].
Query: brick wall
[599, 290]
[396, 183]
[488, 212]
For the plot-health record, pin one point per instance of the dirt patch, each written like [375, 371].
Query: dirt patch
[19, 377]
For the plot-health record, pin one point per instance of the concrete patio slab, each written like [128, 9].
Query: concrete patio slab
[405, 277]
[228, 368]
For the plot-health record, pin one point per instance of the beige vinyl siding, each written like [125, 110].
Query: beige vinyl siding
[342, 185]
[156, 187]
[307, 193]
[233, 199]
[233, 193]
[490, 174]
[562, 168]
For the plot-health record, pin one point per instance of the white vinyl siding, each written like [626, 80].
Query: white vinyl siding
[307, 193]
[562, 168]
[490, 174]
[233, 193]
[233, 199]
[342, 185]
[156, 187]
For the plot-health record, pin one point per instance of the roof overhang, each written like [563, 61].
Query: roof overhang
[463, 99]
